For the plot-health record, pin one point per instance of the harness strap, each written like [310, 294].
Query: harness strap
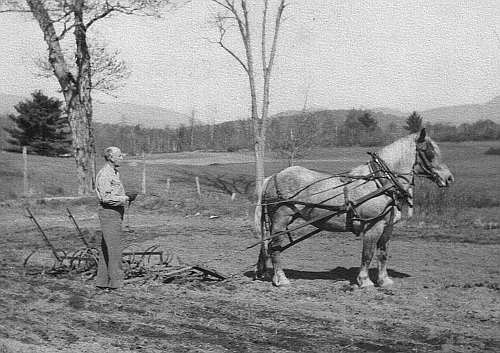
[350, 210]
[388, 175]
[388, 208]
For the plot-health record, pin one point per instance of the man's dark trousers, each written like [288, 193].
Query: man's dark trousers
[110, 268]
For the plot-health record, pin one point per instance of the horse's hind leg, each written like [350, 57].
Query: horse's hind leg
[261, 268]
[281, 220]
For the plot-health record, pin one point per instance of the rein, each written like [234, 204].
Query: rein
[390, 175]
[381, 172]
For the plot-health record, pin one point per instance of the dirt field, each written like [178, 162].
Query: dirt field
[446, 295]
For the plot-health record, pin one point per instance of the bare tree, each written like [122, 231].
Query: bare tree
[242, 15]
[108, 71]
[57, 18]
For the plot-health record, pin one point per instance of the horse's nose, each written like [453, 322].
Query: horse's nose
[450, 180]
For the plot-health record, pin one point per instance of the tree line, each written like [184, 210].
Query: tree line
[290, 136]
[41, 125]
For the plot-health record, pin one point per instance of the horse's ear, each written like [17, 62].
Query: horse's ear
[421, 138]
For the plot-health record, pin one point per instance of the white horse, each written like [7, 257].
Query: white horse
[364, 201]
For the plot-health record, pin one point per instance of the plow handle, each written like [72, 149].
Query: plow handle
[47, 241]
[70, 215]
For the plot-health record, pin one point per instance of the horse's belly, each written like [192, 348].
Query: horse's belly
[336, 223]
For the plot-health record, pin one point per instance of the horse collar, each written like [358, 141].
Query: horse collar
[378, 166]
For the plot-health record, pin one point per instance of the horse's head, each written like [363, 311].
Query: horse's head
[428, 162]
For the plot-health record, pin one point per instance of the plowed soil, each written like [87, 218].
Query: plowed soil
[445, 297]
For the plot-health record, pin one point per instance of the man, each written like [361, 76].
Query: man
[113, 199]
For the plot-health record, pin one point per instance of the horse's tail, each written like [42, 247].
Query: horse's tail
[261, 211]
[261, 223]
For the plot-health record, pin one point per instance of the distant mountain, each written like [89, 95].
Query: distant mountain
[467, 113]
[149, 116]
[116, 113]
[455, 115]
[389, 111]
[134, 114]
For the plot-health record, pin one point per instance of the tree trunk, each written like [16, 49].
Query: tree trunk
[259, 151]
[82, 142]
[76, 91]
[242, 19]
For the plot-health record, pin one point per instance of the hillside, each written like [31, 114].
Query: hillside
[338, 116]
[116, 113]
[467, 113]
[134, 114]
[156, 117]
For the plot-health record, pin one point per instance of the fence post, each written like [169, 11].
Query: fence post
[25, 171]
[168, 185]
[198, 188]
[143, 173]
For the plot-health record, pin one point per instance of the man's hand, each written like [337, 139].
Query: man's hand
[131, 195]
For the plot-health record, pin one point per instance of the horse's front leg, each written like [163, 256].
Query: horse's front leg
[382, 250]
[371, 235]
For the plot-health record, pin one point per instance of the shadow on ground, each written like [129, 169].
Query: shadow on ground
[337, 274]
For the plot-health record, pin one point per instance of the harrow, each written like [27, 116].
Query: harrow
[153, 263]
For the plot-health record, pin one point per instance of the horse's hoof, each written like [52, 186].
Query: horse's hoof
[365, 283]
[385, 282]
[265, 277]
[280, 280]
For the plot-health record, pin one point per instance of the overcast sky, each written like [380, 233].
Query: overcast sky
[406, 55]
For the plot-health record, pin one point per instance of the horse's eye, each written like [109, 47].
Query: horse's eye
[430, 152]
[429, 155]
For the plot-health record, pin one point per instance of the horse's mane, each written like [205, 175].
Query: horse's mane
[400, 155]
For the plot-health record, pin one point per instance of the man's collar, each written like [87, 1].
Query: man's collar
[112, 167]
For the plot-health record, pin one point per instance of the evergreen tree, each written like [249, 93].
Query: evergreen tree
[351, 129]
[413, 123]
[41, 127]
[368, 122]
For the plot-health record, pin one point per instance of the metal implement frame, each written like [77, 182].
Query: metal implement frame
[153, 263]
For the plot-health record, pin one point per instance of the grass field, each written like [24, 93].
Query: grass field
[477, 176]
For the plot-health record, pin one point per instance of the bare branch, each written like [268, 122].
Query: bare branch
[224, 4]
[222, 32]
[264, 27]
[276, 33]
[13, 6]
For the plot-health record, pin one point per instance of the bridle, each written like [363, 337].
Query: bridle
[424, 163]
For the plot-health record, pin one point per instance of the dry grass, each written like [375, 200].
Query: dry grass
[472, 201]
